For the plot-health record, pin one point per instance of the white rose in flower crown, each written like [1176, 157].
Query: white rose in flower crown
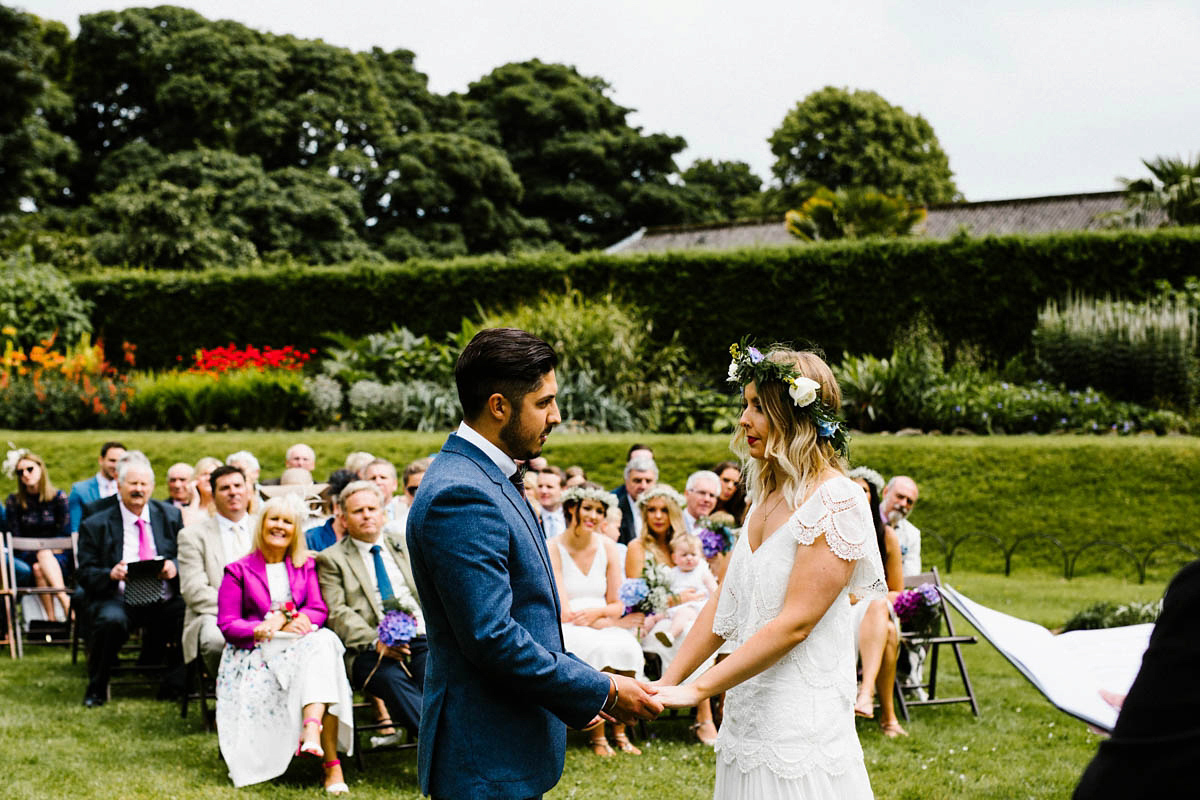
[803, 390]
[733, 371]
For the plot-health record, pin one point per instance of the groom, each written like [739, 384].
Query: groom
[499, 688]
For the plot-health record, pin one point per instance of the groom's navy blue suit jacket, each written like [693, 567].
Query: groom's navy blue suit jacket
[499, 687]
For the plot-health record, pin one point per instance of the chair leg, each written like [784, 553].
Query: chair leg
[899, 692]
[962, 670]
[933, 659]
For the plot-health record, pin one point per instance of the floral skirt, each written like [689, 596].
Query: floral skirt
[261, 694]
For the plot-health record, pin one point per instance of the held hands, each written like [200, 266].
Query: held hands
[635, 701]
[678, 696]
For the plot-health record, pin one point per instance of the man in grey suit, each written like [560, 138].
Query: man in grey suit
[501, 688]
[362, 576]
[205, 548]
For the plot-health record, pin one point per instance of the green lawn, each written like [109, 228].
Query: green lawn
[136, 747]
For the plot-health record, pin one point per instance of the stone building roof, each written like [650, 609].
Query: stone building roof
[1057, 213]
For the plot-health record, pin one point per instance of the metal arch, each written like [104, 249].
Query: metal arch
[1160, 546]
[1109, 543]
[977, 535]
[1008, 554]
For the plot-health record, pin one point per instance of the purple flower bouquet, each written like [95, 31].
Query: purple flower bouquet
[919, 609]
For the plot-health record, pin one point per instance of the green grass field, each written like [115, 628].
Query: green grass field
[136, 747]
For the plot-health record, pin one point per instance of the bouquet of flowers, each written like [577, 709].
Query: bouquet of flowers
[649, 594]
[397, 626]
[918, 609]
[715, 538]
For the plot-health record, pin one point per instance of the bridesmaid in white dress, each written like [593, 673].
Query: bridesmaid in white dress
[788, 730]
[588, 570]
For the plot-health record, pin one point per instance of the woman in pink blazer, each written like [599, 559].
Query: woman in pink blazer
[282, 679]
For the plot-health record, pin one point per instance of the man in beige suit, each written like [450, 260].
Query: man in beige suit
[360, 576]
[205, 548]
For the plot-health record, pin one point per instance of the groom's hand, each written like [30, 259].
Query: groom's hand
[635, 701]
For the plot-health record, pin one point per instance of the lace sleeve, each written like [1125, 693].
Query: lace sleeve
[839, 511]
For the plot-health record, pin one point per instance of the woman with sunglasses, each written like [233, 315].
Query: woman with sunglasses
[38, 510]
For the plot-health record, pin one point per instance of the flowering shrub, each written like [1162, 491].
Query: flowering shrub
[50, 388]
[230, 357]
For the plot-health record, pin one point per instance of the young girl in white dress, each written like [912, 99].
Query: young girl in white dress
[690, 572]
[808, 541]
[588, 570]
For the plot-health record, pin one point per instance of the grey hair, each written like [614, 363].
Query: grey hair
[642, 464]
[133, 458]
[895, 478]
[699, 475]
[354, 487]
[243, 458]
[869, 475]
[296, 447]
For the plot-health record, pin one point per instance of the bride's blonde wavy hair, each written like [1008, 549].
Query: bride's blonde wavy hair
[791, 443]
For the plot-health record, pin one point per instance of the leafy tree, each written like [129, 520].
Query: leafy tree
[1173, 189]
[837, 138]
[852, 214]
[585, 170]
[720, 185]
[39, 302]
[33, 156]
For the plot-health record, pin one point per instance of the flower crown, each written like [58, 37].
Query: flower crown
[661, 490]
[750, 364]
[15, 454]
[869, 475]
[577, 494]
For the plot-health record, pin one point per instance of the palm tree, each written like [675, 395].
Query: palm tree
[1173, 189]
[853, 213]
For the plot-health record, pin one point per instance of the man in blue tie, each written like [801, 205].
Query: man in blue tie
[362, 576]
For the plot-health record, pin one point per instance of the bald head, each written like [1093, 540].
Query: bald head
[899, 497]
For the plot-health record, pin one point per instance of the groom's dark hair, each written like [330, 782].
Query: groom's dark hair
[509, 361]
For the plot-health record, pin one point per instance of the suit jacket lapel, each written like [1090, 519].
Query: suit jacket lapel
[355, 560]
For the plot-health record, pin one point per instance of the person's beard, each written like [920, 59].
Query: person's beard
[896, 516]
[518, 448]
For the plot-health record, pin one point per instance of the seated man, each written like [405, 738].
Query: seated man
[701, 492]
[550, 489]
[101, 485]
[641, 473]
[361, 577]
[333, 529]
[205, 549]
[135, 529]
[899, 497]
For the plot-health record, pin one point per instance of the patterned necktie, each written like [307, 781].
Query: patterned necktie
[145, 545]
[518, 477]
[381, 576]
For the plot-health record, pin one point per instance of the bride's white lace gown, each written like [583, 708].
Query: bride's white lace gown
[788, 732]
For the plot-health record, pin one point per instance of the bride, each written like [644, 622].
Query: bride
[808, 541]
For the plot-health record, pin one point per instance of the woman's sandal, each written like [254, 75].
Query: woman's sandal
[310, 748]
[339, 787]
[710, 741]
[624, 745]
[600, 746]
[892, 729]
[866, 711]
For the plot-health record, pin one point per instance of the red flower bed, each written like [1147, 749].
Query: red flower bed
[231, 357]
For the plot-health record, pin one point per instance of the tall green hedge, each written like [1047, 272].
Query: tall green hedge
[851, 296]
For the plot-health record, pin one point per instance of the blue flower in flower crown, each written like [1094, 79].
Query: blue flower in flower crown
[826, 428]
[755, 355]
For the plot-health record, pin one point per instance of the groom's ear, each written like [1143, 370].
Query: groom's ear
[496, 407]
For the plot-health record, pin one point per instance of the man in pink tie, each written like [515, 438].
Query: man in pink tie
[136, 529]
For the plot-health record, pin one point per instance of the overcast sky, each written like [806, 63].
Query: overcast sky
[1028, 97]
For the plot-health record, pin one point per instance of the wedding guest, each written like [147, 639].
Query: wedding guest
[201, 504]
[300, 455]
[179, 484]
[899, 497]
[281, 678]
[411, 479]
[205, 549]
[382, 473]
[334, 528]
[248, 464]
[37, 510]
[733, 493]
[641, 473]
[356, 462]
[575, 476]
[134, 529]
[98, 487]
[362, 577]
[876, 623]
[588, 572]
[690, 572]
[701, 493]
[612, 529]
[662, 521]
[550, 486]
[530, 482]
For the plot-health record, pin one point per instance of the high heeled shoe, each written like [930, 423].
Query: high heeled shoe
[338, 787]
[312, 749]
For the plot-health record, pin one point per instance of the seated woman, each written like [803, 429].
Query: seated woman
[878, 636]
[201, 505]
[38, 510]
[661, 508]
[282, 679]
[589, 572]
[732, 499]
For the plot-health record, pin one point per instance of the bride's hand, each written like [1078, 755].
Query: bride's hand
[678, 696]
